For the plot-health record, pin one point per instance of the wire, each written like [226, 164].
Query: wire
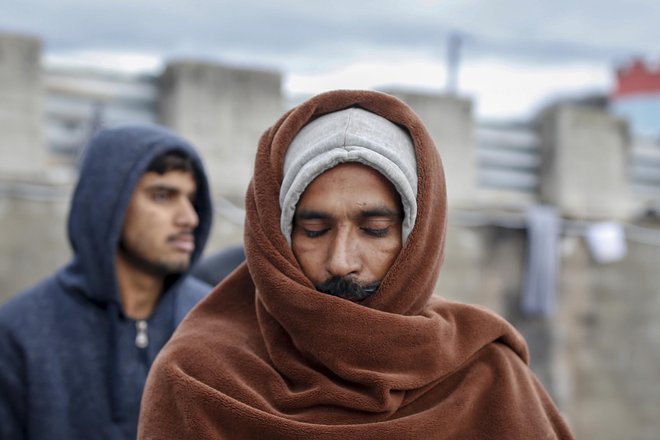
[569, 228]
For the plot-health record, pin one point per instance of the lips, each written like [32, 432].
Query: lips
[183, 242]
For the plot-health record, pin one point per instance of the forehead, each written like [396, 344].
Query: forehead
[350, 184]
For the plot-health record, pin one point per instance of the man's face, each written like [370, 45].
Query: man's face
[347, 228]
[157, 236]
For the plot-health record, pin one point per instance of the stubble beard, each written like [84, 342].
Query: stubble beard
[156, 267]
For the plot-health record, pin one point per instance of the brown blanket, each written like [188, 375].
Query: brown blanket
[266, 356]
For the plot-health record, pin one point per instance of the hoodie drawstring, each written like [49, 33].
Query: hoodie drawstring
[114, 381]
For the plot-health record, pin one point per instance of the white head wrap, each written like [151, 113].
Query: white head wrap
[350, 135]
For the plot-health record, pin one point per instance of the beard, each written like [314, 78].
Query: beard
[161, 268]
[347, 288]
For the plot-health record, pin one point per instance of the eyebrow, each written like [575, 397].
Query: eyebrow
[380, 212]
[170, 189]
[307, 214]
[162, 187]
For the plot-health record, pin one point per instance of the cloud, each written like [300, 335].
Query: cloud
[387, 41]
[313, 27]
[513, 90]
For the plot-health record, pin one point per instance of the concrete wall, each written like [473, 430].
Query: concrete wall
[610, 314]
[32, 204]
[598, 355]
[21, 109]
[33, 223]
[585, 162]
[223, 111]
[450, 122]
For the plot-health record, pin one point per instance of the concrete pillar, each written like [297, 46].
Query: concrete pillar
[223, 111]
[21, 109]
[33, 242]
[450, 122]
[584, 169]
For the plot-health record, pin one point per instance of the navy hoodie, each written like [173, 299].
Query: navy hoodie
[70, 365]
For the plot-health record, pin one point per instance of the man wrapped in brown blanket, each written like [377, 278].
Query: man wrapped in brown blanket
[329, 330]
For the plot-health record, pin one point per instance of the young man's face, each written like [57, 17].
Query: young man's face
[347, 227]
[157, 236]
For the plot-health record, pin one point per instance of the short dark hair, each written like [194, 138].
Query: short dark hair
[171, 161]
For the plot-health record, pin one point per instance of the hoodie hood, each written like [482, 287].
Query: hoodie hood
[113, 162]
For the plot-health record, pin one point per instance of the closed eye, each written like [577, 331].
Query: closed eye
[312, 224]
[312, 233]
[376, 232]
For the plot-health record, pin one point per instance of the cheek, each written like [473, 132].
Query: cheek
[382, 256]
[310, 259]
[144, 225]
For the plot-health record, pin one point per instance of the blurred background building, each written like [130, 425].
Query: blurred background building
[554, 220]
[637, 97]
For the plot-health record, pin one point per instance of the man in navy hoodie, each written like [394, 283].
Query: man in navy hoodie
[75, 349]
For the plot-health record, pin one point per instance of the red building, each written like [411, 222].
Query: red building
[636, 97]
[637, 79]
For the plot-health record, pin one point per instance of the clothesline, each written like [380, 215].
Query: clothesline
[569, 227]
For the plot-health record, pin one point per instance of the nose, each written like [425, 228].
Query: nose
[186, 215]
[343, 255]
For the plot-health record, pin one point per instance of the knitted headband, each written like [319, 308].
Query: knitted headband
[350, 135]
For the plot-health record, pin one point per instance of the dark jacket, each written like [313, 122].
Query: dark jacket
[70, 367]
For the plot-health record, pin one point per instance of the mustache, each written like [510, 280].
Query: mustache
[347, 288]
[184, 234]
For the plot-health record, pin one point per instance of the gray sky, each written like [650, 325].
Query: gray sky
[516, 54]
